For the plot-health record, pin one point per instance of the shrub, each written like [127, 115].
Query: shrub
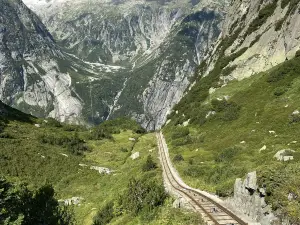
[99, 133]
[123, 149]
[231, 112]
[19, 205]
[182, 141]
[227, 154]
[228, 70]
[195, 171]
[280, 91]
[294, 118]
[105, 215]
[178, 158]
[6, 135]
[149, 164]
[227, 111]
[219, 105]
[279, 24]
[53, 122]
[143, 195]
[180, 132]
[74, 144]
[226, 189]
[297, 54]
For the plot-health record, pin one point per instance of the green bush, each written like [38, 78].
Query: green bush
[180, 132]
[297, 53]
[279, 24]
[227, 154]
[280, 91]
[124, 150]
[227, 111]
[290, 69]
[195, 171]
[178, 158]
[73, 144]
[19, 205]
[53, 122]
[295, 118]
[149, 164]
[226, 189]
[228, 70]
[105, 215]
[143, 195]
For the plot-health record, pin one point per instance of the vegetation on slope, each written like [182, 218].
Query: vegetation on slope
[21, 206]
[43, 153]
[229, 128]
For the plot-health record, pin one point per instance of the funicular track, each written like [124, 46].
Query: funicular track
[212, 212]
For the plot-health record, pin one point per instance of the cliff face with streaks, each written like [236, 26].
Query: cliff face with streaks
[152, 46]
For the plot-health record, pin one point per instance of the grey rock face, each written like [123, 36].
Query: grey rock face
[30, 78]
[267, 45]
[157, 46]
[251, 200]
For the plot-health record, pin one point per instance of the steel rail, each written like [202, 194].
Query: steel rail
[189, 190]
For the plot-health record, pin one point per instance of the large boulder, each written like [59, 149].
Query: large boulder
[284, 155]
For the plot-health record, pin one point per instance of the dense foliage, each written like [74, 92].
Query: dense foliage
[73, 144]
[142, 197]
[149, 164]
[19, 205]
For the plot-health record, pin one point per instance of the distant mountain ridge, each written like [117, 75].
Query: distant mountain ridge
[139, 57]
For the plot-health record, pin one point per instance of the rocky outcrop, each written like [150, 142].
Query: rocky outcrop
[265, 33]
[30, 77]
[250, 199]
[284, 155]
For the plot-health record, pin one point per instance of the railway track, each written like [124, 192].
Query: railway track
[212, 212]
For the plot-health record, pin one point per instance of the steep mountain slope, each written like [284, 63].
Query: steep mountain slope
[157, 43]
[242, 114]
[87, 168]
[29, 75]
[266, 33]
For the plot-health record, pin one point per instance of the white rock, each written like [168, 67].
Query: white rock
[101, 170]
[263, 148]
[288, 158]
[272, 132]
[186, 123]
[210, 113]
[212, 90]
[135, 155]
[243, 142]
[83, 165]
[64, 154]
[284, 155]
[72, 201]
[296, 112]
[37, 125]
[131, 139]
